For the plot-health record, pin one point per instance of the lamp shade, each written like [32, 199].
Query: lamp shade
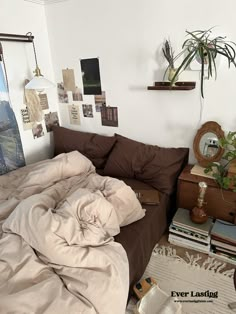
[39, 83]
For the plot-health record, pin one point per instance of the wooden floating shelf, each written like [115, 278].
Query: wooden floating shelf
[177, 86]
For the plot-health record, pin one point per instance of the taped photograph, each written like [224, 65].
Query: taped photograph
[51, 119]
[88, 111]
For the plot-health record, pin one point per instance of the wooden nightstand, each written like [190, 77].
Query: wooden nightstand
[220, 203]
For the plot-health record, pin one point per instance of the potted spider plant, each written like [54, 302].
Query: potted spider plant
[200, 46]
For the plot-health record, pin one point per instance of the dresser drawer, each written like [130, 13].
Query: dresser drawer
[220, 204]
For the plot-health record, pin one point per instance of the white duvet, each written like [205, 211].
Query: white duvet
[57, 252]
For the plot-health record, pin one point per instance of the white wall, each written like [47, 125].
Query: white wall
[127, 37]
[20, 17]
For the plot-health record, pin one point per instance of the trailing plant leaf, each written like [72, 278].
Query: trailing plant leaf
[220, 171]
[200, 43]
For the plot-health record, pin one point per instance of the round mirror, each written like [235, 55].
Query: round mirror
[209, 144]
[206, 143]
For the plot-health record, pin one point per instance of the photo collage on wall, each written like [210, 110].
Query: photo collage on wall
[76, 98]
[33, 116]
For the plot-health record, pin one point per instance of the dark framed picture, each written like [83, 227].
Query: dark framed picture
[109, 116]
[91, 76]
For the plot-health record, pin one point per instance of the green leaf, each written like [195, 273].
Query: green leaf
[201, 53]
[181, 66]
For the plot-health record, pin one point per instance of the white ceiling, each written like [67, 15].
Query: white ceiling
[45, 2]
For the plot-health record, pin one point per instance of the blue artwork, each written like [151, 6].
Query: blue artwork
[11, 151]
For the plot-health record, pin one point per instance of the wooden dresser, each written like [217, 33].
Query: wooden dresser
[220, 203]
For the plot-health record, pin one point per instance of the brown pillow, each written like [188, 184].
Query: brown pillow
[94, 146]
[157, 166]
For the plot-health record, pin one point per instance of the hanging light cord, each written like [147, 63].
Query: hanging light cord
[35, 56]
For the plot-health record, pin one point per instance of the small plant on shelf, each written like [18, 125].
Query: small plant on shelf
[201, 47]
[220, 170]
[168, 53]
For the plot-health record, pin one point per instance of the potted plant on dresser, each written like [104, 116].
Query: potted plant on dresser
[225, 172]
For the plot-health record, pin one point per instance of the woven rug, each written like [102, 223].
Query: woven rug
[208, 287]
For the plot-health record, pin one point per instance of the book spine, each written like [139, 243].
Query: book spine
[190, 238]
[222, 257]
[226, 238]
[224, 245]
[219, 249]
[217, 238]
[189, 233]
[191, 244]
[204, 233]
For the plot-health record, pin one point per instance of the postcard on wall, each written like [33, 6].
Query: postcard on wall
[27, 124]
[109, 116]
[68, 79]
[100, 100]
[37, 130]
[62, 93]
[74, 114]
[88, 111]
[77, 94]
[51, 119]
[33, 104]
[43, 101]
[91, 76]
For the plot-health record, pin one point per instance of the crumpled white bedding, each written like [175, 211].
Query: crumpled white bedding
[57, 252]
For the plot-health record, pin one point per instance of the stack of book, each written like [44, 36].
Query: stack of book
[184, 232]
[199, 171]
[223, 241]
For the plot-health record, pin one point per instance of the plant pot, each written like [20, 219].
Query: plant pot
[198, 215]
[171, 73]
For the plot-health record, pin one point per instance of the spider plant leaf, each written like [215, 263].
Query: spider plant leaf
[201, 53]
[209, 58]
[182, 66]
[190, 60]
[230, 56]
[164, 75]
[222, 53]
[197, 39]
[214, 64]
[179, 54]
[231, 52]
[187, 42]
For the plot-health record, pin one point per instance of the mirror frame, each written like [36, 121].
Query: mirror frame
[212, 127]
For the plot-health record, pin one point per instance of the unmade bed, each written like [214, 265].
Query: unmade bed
[58, 255]
[73, 240]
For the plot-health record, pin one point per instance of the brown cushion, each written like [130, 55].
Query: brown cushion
[157, 166]
[94, 146]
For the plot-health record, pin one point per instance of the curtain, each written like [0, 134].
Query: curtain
[11, 151]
